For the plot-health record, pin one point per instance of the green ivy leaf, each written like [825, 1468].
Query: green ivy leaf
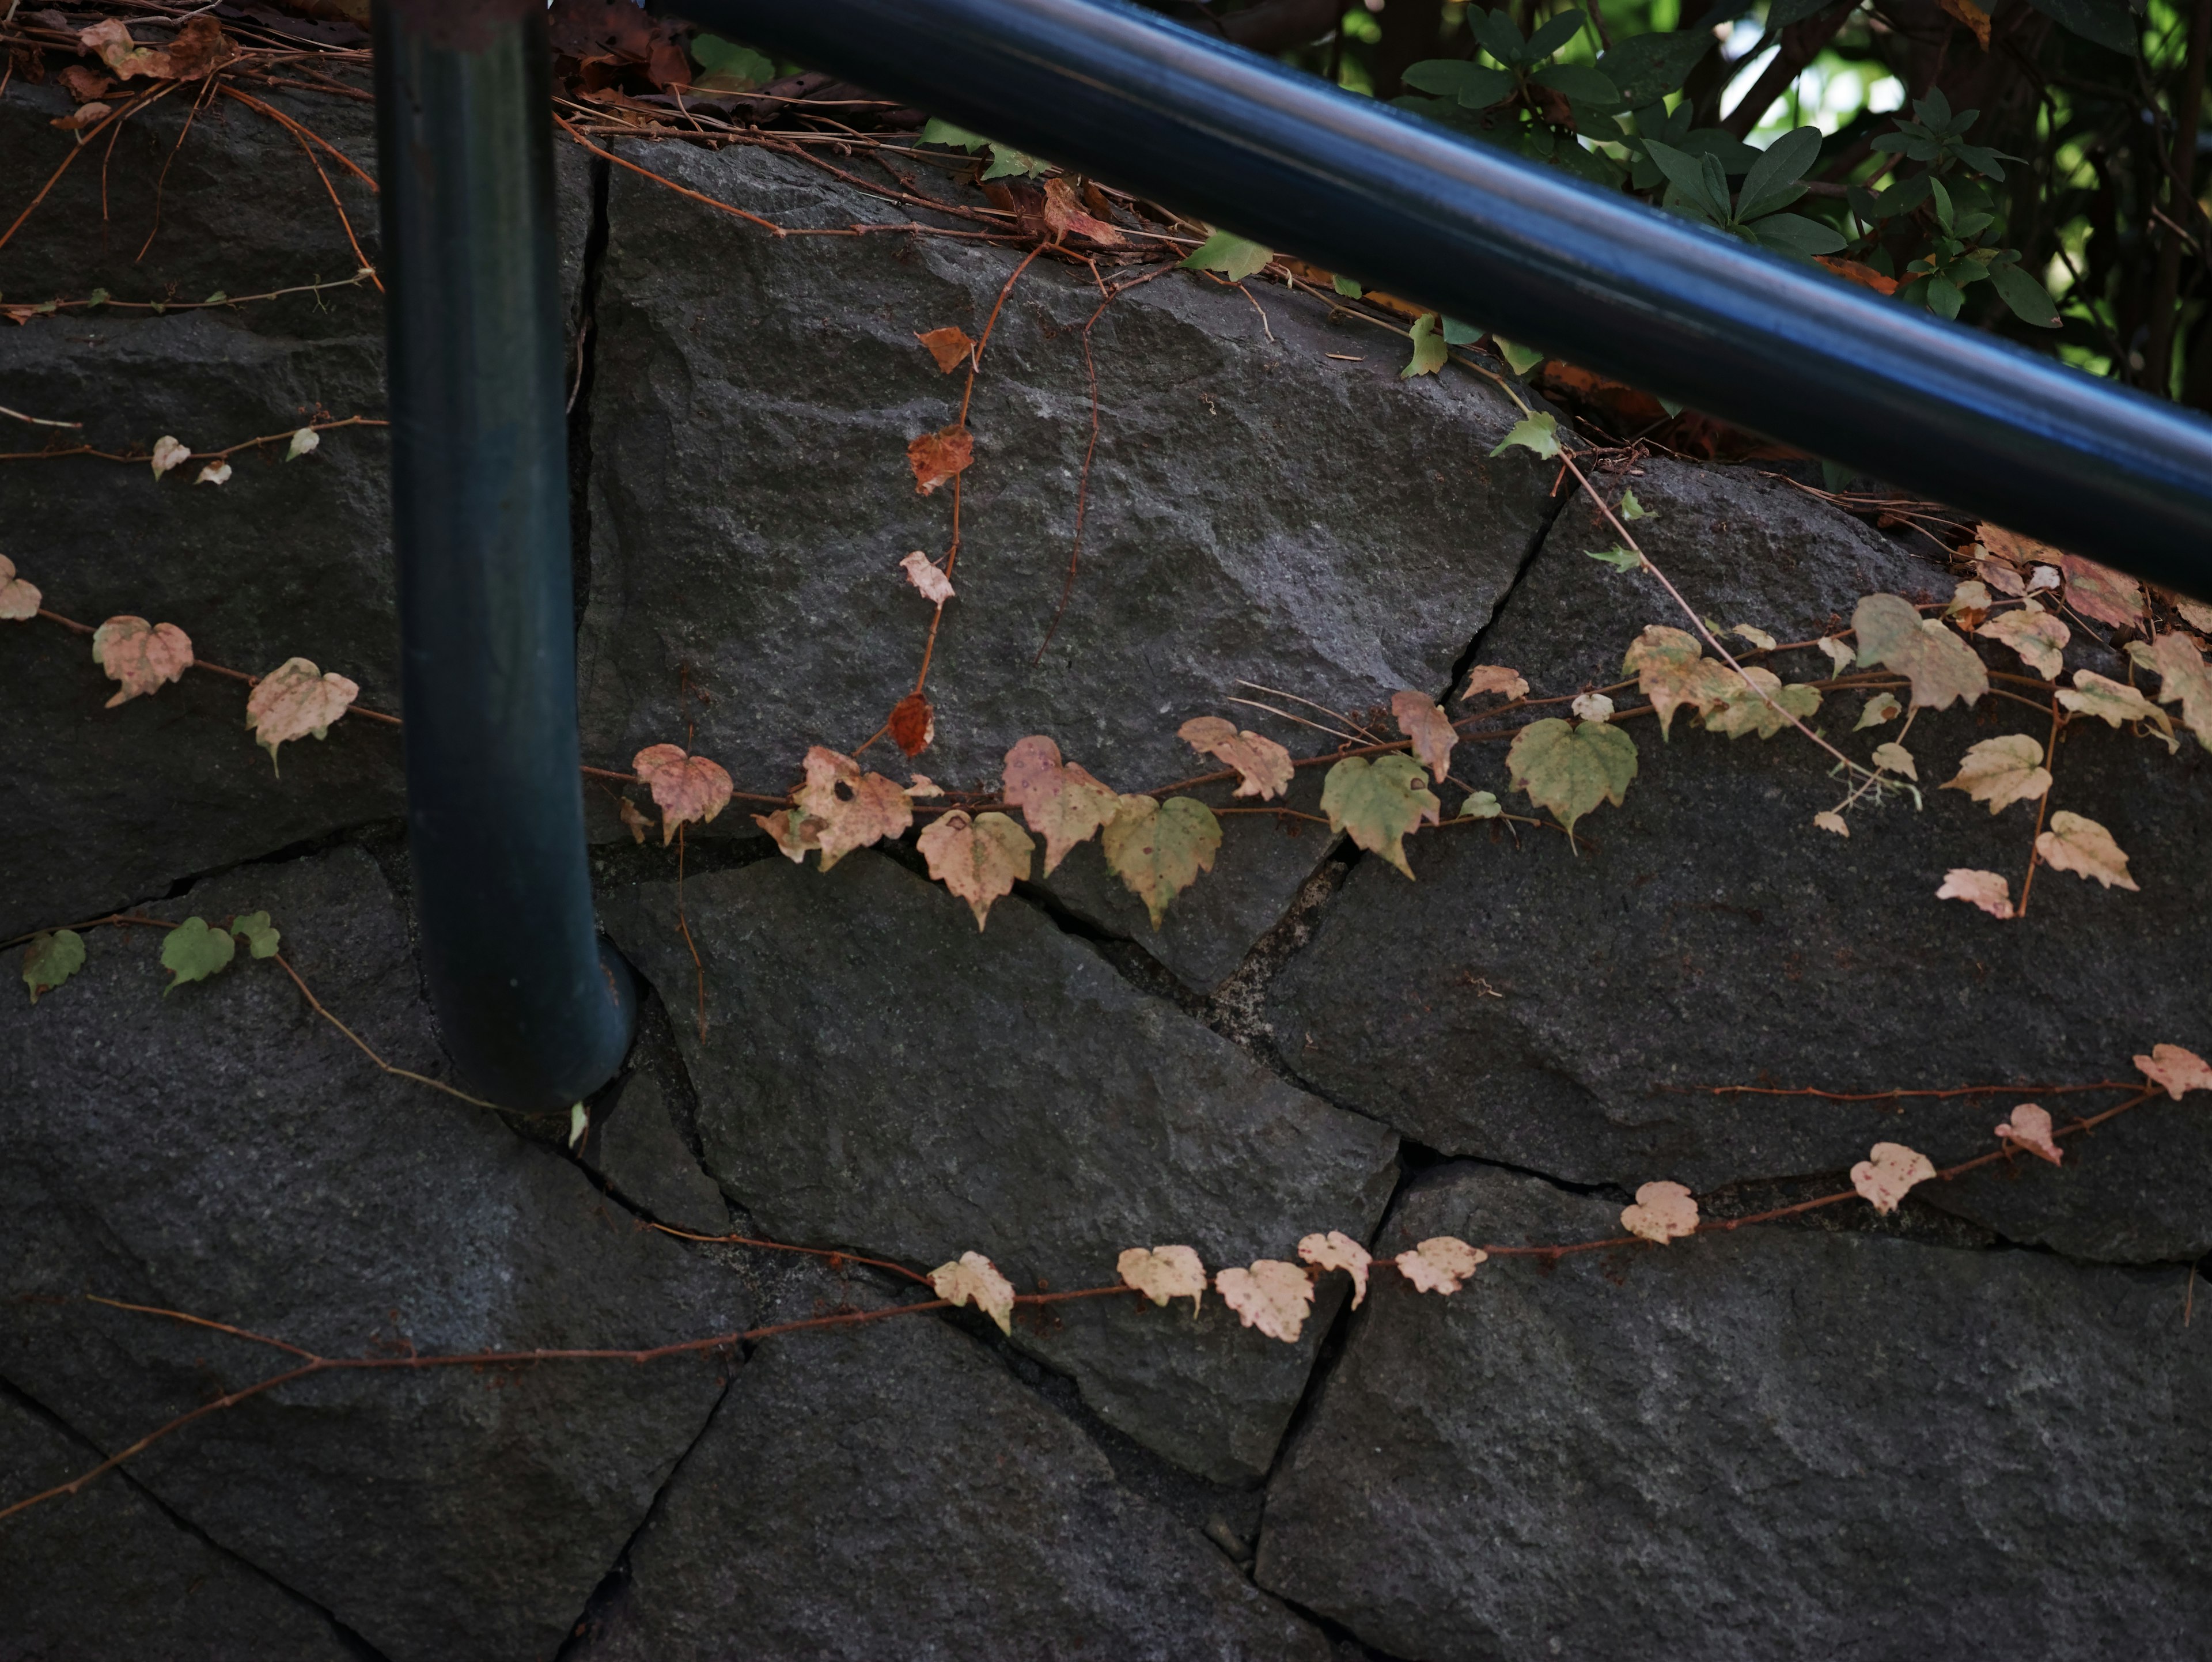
[194, 952]
[730, 67]
[1483, 805]
[1518, 358]
[1461, 334]
[1631, 510]
[254, 929]
[1621, 559]
[53, 957]
[1378, 802]
[1346, 287]
[1158, 849]
[1539, 433]
[1234, 257]
[938, 131]
[1005, 160]
[1571, 768]
[1430, 353]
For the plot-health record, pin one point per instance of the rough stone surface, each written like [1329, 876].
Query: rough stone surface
[879, 1075]
[638, 1150]
[1250, 515]
[107, 1574]
[107, 806]
[890, 1491]
[1769, 1444]
[225, 1152]
[1549, 1011]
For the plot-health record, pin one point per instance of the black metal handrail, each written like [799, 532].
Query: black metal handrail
[1596, 276]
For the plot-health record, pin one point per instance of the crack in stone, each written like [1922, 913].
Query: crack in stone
[585, 352]
[1555, 506]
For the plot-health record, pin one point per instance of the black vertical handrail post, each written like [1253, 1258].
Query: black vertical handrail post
[534, 1010]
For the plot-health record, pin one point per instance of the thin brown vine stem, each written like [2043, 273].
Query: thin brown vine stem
[114, 119]
[698, 969]
[1567, 458]
[1891, 1096]
[161, 180]
[830, 1252]
[363, 1045]
[2042, 807]
[768, 225]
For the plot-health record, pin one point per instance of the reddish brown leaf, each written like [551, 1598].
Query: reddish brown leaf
[912, 724]
[2097, 590]
[685, 788]
[82, 84]
[936, 457]
[951, 347]
[1065, 217]
[78, 119]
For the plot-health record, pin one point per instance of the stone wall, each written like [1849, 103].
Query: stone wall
[1973, 1427]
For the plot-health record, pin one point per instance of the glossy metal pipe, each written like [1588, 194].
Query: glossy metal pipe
[533, 1009]
[1592, 276]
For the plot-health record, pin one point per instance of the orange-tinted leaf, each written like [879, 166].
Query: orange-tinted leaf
[1064, 216]
[636, 823]
[951, 347]
[1061, 802]
[1671, 670]
[1429, 728]
[979, 860]
[19, 599]
[1440, 1263]
[2085, 848]
[927, 577]
[1891, 1170]
[2175, 1068]
[685, 788]
[1263, 765]
[294, 700]
[1662, 1212]
[1494, 678]
[1272, 1296]
[1987, 890]
[82, 84]
[1338, 1250]
[855, 808]
[936, 457]
[912, 724]
[1974, 18]
[1858, 271]
[2097, 590]
[2029, 1129]
[85, 115]
[1162, 1273]
[974, 1278]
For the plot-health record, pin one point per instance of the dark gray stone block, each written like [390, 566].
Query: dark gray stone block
[888, 1491]
[879, 1075]
[1557, 1013]
[225, 1152]
[1775, 1443]
[636, 1148]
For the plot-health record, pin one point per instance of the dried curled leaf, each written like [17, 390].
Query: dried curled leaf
[167, 454]
[2114, 701]
[1662, 1212]
[1272, 1296]
[1987, 890]
[1942, 667]
[1425, 724]
[1162, 1273]
[1758, 637]
[980, 860]
[2183, 679]
[949, 346]
[1757, 701]
[193, 952]
[1263, 766]
[685, 788]
[794, 830]
[974, 1278]
[912, 724]
[2029, 1128]
[19, 599]
[1570, 769]
[1338, 1250]
[937, 457]
[196, 49]
[2195, 613]
[1890, 1170]
[295, 700]
[144, 657]
[2003, 771]
[1158, 849]
[2084, 848]
[1378, 802]
[1671, 670]
[1062, 803]
[2039, 638]
[1840, 653]
[926, 576]
[855, 808]
[1970, 604]
[2097, 590]
[637, 824]
[54, 956]
[1495, 678]
[214, 472]
[1064, 217]
[2176, 1069]
[1440, 1263]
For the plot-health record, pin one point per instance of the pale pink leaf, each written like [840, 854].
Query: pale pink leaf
[168, 454]
[1430, 729]
[2029, 1129]
[19, 597]
[1272, 1296]
[2085, 848]
[1440, 1263]
[925, 576]
[1889, 1171]
[685, 788]
[1987, 890]
[1338, 1250]
[2177, 1069]
[144, 657]
[1662, 1212]
[980, 860]
[855, 808]
[974, 1278]
[1062, 803]
[294, 700]
[1263, 765]
[1162, 1273]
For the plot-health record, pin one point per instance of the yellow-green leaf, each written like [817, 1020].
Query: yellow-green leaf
[1759, 702]
[1430, 352]
[51, 959]
[1378, 801]
[1570, 769]
[1234, 257]
[194, 952]
[1158, 849]
[254, 929]
[1671, 670]
[1539, 433]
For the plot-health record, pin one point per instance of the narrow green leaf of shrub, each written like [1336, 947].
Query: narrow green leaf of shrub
[194, 952]
[254, 929]
[1570, 769]
[1539, 433]
[2029, 300]
[52, 958]
[1234, 257]
[1430, 354]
